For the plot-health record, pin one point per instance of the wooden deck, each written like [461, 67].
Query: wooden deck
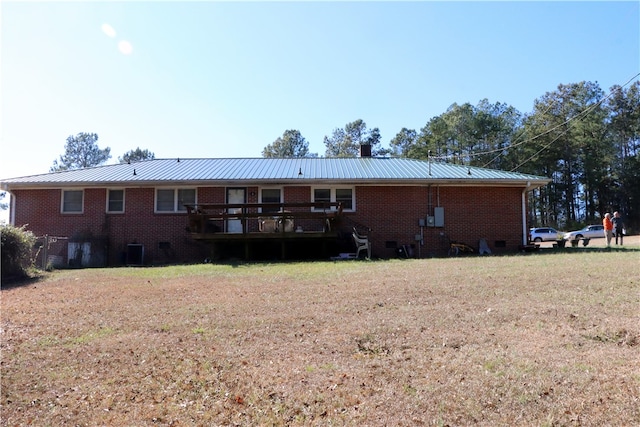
[265, 225]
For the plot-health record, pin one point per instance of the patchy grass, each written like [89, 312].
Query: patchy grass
[546, 339]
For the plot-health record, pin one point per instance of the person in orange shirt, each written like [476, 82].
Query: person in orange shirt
[608, 228]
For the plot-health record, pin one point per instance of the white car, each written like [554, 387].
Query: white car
[544, 234]
[589, 232]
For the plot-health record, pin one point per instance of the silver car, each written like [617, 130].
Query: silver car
[589, 232]
[544, 234]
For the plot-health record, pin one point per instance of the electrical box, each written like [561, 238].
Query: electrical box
[438, 213]
[431, 221]
[421, 222]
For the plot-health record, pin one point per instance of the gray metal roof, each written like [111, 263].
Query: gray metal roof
[265, 171]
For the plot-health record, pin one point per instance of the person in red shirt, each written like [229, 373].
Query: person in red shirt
[608, 228]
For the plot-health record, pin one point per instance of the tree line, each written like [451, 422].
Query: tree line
[82, 151]
[585, 140]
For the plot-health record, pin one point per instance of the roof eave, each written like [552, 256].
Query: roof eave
[456, 182]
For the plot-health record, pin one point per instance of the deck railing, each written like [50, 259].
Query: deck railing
[263, 217]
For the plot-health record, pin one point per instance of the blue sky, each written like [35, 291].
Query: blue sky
[225, 79]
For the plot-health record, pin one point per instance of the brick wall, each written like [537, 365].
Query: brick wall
[470, 214]
[163, 235]
[392, 215]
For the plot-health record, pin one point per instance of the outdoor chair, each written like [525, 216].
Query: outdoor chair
[267, 225]
[288, 225]
[362, 243]
[483, 247]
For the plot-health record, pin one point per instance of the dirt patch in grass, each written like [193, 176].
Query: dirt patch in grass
[545, 339]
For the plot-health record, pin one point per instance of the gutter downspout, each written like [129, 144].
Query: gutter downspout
[524, 214]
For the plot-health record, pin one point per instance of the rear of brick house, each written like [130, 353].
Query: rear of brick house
[136, 214]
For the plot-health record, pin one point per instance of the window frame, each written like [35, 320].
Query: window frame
[176, 200]
[333, 198]
[280, 190]
[108, 207]
[62, 201]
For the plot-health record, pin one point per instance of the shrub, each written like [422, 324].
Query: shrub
[16, 250]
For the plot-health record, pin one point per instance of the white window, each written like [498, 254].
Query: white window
[270, 195]
[322, 195]
[174, 199]
[344, 195]
[72, 201]
[115, 201]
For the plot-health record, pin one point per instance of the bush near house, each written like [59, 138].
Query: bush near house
[16, 251]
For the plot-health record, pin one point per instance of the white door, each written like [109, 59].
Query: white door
[235, 196]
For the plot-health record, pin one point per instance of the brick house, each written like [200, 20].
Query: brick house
[139, 213]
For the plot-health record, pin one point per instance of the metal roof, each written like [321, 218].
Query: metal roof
[266, 171]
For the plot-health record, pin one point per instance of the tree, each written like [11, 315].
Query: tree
[136, 155]
[624, 129]
[401, 144]
[81, 151]
[3, 205]
[569, 144]
[290, 144]
[474, 135]
[433, 138]
[496, 125]
[346, 142]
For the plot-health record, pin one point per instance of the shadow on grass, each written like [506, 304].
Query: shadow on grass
[540, 251]
[13, 282]
[545, 251]
[235, 263]
[586, 249]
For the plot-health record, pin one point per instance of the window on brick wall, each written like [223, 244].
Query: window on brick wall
[174, 199]
[344, 195]
[72, 201]
[270, 195]
[115, 201]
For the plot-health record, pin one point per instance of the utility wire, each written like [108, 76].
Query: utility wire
[514, 144]
[578, 116]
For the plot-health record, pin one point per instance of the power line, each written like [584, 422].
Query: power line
[514, 144]
[570, 120]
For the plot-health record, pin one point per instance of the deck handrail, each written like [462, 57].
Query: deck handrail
[200, 214]
[280, 206]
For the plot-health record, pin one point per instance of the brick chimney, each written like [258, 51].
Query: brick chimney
[365, 150]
